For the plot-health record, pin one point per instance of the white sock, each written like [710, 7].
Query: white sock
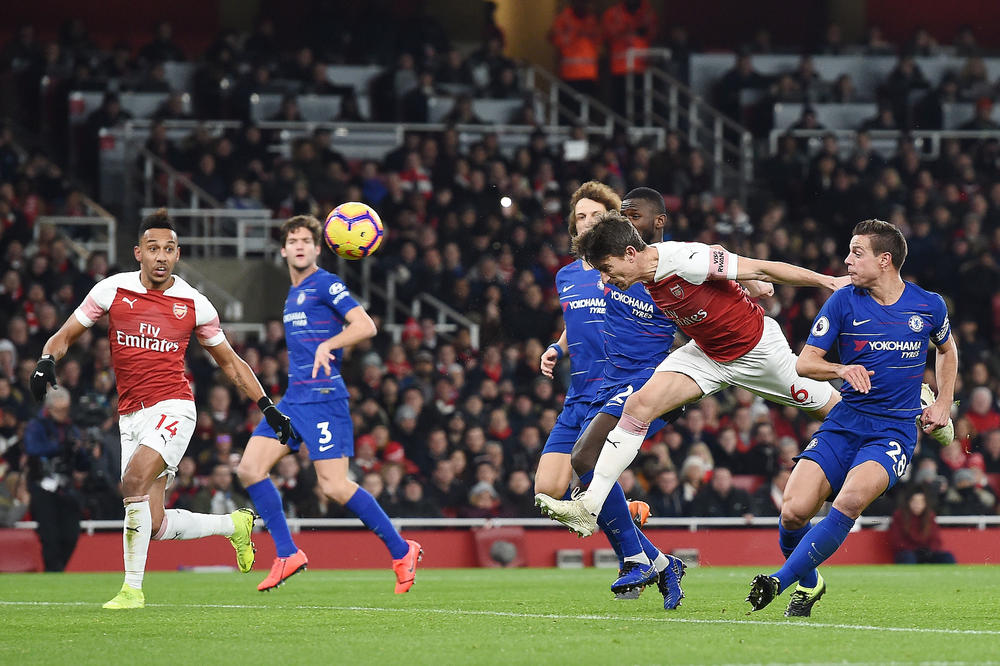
[640, 557]
[661, 562]
[620, 449]
[135, 539]
[183, 525]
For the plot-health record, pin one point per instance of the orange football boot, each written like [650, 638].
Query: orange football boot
[405, 567]
[283, 569]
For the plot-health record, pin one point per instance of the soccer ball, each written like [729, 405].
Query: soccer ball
[353, 230]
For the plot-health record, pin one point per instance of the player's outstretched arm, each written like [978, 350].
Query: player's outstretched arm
[812, 364]
[360, 326]
[55, 348]
[782, 273]
[945, 373]
[552, 354]
[242, 376]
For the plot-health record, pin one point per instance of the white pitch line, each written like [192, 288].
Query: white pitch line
[543, 616]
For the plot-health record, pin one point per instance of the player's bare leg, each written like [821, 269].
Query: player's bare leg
[554, 473]
[261, 454]
[137, 483]
[333, 481]
[820, 414]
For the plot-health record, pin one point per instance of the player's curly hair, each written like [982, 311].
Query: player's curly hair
[595, 191]
[884, 237]
[158, 219]
[609, 238]
[302, 221]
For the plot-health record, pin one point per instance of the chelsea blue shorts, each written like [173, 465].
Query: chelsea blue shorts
[848, 438]
[324, 427]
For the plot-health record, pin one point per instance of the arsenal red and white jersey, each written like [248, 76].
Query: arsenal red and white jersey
[692, 288]
[149, 333]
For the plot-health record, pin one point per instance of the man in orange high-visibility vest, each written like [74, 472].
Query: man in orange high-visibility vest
[577, 35]
[630, 24]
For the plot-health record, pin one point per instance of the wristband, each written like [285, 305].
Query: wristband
[559, 352]
[264, 403]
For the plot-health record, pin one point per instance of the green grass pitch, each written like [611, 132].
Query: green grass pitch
[873, 615]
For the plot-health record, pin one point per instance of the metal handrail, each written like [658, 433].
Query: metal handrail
[684, 107]
[445, 312]
[878, 523]
[174, 177]
[83, 249]
[557, 88]
[934, 137]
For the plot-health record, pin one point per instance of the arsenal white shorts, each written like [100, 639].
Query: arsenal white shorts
[767, 370]
[165, 427]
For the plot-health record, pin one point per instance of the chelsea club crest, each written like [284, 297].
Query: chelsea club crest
[916, 324]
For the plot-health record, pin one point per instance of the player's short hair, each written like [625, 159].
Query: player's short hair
[595, 191]
[158, 219]
[302, 221]
[649, 195]
[608, 238]
[884, 237]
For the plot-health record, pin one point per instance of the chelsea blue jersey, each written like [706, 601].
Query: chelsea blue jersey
[637, 335]
[892, 340]
[581, 296]
[315, 311]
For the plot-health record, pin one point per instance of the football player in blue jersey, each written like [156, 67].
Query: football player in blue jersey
[881, 327]
[321, 319]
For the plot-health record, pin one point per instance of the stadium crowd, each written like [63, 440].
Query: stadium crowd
[446, 429]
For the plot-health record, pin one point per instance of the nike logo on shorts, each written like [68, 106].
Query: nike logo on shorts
[325, 448]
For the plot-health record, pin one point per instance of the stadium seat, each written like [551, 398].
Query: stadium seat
[20, 551]
[748, 482]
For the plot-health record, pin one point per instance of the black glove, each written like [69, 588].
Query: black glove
[280, 424]
[44, 374]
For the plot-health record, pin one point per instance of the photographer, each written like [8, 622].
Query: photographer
[57, 459]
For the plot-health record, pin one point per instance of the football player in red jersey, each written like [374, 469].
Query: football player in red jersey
[732, 342]
[151, 315]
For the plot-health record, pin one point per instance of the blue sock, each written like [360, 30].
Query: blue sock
[819, 543]
[652, 552]
[364, 506]
[267, 501]
[607, 529]
[788, 540]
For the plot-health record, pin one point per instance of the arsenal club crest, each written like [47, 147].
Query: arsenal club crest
[180, 310]
[677, 291]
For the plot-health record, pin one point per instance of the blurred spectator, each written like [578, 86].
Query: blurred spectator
[965, 498]
[56, 461]
[914, 535]
[767, 499]
[576, 35]
[665, 497]
[219, 495]
[14, 495]
[721, 499]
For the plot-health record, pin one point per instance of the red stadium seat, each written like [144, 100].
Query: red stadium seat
[20, 551]
[748, 482]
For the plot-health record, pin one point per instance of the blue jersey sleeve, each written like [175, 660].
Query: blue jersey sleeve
[337, 297]
[828, 323]
[940, 327]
